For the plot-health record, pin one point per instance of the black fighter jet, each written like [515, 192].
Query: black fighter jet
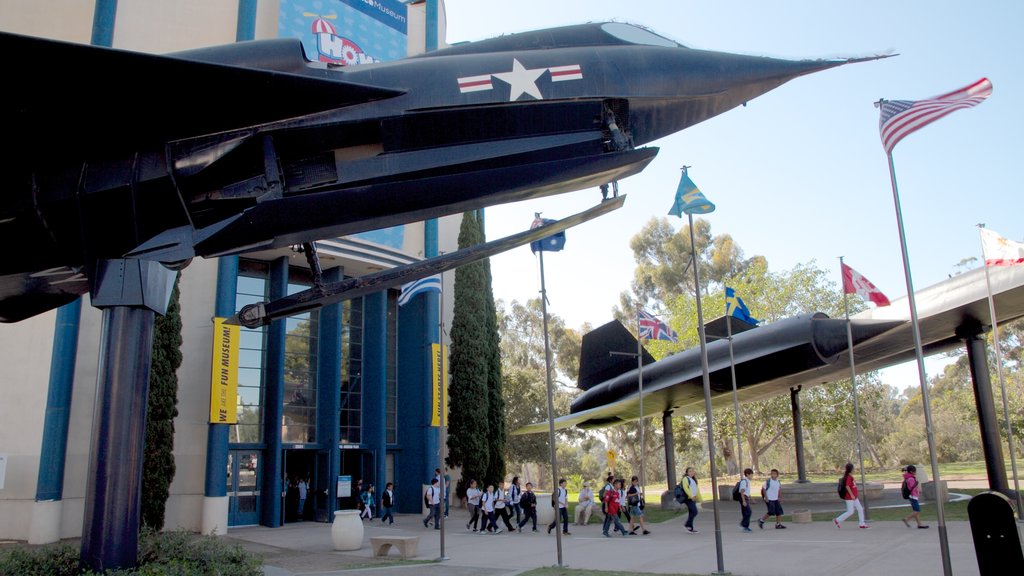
[112, 154]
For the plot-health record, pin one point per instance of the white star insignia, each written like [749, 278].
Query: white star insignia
[522, 81]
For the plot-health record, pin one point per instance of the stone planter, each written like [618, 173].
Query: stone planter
[801, 517]
[545, 513]
[347, 530]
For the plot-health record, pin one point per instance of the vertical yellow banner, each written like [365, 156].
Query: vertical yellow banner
[224, 380]
[439, 392]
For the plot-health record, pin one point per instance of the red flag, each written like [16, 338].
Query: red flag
[900, 118]
[855, 283]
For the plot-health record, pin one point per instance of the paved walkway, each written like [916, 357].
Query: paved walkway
[802, 549]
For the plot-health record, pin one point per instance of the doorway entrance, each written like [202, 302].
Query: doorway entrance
[243, 487]
[300, 470]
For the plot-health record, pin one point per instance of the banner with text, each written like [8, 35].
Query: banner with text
[439, 377]
[224, 380]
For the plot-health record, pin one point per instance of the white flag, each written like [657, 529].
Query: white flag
[999, 251]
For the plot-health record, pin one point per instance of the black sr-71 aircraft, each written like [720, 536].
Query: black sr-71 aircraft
[112, 154]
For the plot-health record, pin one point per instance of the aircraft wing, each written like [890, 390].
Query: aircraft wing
[152, 99]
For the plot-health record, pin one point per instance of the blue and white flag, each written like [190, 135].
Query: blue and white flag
[735, 307]
[552, 243]
[689, 199]
[410, 290]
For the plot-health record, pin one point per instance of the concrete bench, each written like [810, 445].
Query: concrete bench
[406, 545]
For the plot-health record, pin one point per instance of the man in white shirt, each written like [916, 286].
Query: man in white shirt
[561, 499]
[432, 497]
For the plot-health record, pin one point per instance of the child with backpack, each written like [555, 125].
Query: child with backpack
[848, 490]
[611, 501]
[744, 490]
[772, 495]
[690, 496]
[911, 490]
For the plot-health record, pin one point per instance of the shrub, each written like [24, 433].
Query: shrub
[178, 553]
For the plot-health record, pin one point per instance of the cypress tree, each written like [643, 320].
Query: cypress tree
[468, 416]
[158, 464]
[495, 397]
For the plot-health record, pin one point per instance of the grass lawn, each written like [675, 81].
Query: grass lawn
[554, 571]
[951, 511]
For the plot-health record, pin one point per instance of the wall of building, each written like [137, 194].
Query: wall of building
[152, 26]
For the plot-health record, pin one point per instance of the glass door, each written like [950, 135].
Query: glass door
[243, 487]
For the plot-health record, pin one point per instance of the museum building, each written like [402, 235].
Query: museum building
[332, 396]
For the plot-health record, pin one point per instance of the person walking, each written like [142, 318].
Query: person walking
[368, 502]
[772, 495]
[432, 498]
[487, 501]
[745, 509]
[611, 502]
[387, 504]
[303, 492]
[623, 507]
[691, 496]
[528, 501]
[584, 505]
[635, 500]
[560, 500]
[473, 495]
[912, 491]
[502, 508]
[850, 497]
[515, 494]
[609, 484]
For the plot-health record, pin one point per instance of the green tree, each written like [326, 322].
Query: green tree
[497, 437]
[158, 462]
[468, 425]
[525, 385]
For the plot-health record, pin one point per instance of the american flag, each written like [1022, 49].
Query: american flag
[900, 118]
[653, 329]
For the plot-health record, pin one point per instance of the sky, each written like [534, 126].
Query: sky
[799, 174]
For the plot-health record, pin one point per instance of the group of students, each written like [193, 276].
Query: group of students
[367, 501]
[486, 507]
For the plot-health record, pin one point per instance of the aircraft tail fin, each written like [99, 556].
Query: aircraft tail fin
[598, 364]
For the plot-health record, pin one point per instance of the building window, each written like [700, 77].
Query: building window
[350, 416]
[391, 394]
[298, 424]
[250, 288]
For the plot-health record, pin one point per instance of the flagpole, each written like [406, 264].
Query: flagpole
[735, 397]
[444, 408]
[1002, 380]
[640, 387]
[856, 404]
[707, 402]
[551, 405]
[947, 568]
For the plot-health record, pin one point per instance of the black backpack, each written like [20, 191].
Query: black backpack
[679, 493]
[841, 488]
[736, 492]
[905, 490]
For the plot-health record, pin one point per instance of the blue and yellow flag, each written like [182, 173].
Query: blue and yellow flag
[735, 307]
[689, 199]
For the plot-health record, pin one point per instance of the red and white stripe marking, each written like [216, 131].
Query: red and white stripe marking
[561, 73]
[475, 83]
